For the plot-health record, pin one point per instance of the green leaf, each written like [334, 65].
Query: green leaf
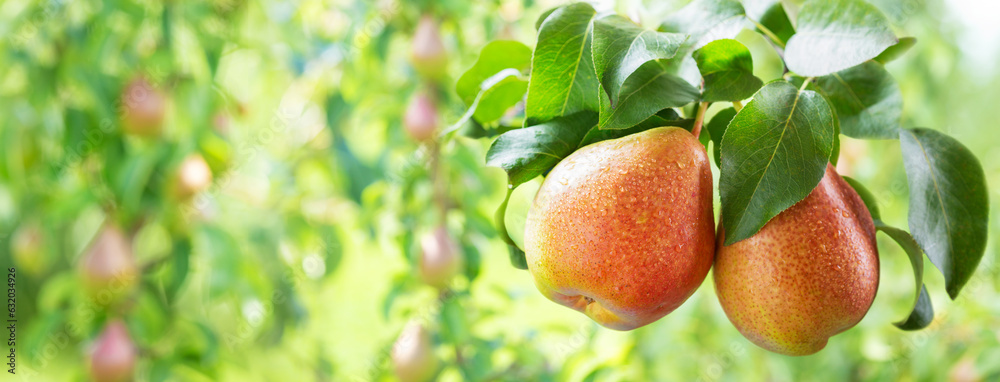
[866, 196]
[494, 58]
[774, 153]
[717, 129]
[893, 52]
[949, 203]
[649, 89]
[771, 15]
[499, 96]
[517, 257]
[180, 264]
[532, 151]
[867, 100]
[473, 260]
[666, 117]
[543, 16]
[707, 20]
[563, 79]
[923, 312]
[727, 67]
[834, 35]
[621, 47]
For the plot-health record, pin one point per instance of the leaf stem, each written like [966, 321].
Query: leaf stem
[699, 119]
[767, 32]
[738, 106]
[805, 83]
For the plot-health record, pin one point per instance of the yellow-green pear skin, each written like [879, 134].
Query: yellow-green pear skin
[810, 273]
[622, 230]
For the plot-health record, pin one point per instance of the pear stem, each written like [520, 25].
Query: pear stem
[699, 119]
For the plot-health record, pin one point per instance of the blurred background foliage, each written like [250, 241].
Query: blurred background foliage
[300, 260]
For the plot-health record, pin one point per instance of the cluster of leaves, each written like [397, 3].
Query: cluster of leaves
[593, 77]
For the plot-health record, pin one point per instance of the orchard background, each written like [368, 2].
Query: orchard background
[298, 261]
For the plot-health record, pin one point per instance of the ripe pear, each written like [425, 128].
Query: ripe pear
[193, 176]
[622, 230]
[440, 258]
[143, 108]
[421, 118]
[108, 267]
[428, 54]
[810, 273]
[113, 356]
[413, 354]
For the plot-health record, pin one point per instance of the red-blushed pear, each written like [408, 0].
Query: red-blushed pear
[193, 176]
[810, 273]
[413, 354]
[108, 267]
[428, 54]
[113, 356]
[421, 118]
[440, 258]
[622, 230]
[142, 108]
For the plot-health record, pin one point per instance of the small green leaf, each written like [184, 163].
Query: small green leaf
[867, 100]
[499, 96]
[666, 117]
[727, 67]
[473, 260]
[517, 257]
[834, 35]
[949, 203]
[707, 20]
[923, 312]
[866, 196]
[649, 89]
[621, 47]
[494, 58]
[563, 79]
[771, 15]
[179, 266]
[893, 52]
[717, 129]
[774, 153]
[532, 151]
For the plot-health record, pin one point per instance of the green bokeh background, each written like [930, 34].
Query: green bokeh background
[302, 252]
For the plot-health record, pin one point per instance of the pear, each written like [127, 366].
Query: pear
[28, 249]
[421, 118]
[427, 52]
[142, 107]
[113, 355]
[440, 258]
[193, 176]
[810, 273]
[413, 357]
[108, 267]
[622, 230]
